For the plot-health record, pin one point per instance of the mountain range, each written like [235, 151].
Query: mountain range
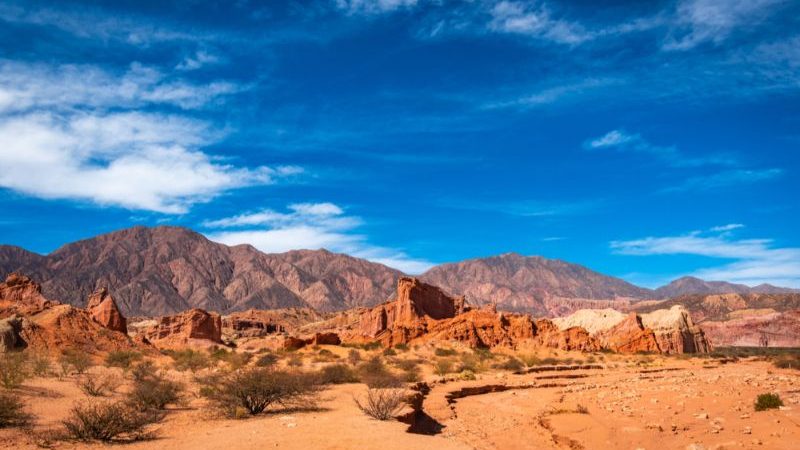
[165, 270]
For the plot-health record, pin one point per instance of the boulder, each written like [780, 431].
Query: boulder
[324, 339]
[104, 311]
[9, 334]
[19, 294]
[675, 331]
[629, 336]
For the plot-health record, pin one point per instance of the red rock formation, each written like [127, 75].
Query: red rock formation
[104, 311]
[423, 313]
[767, 329]
[21, 295]
[186, 328]
[324, 339]
[629, 336]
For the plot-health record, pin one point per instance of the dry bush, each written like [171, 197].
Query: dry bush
[144, 370]
[155, 392]
[337, 374]
[471, 362]
[123, 359]
[235, 360]
[12, 412]
[445, 352]
[325, 355]
[109, 422]
[295, 361]
[73, 360]
[530, 360]
[374, 373]
[189, 359]
[787, 362]
[443, 366]
[512, 364]
[382, 403]
[354, 356]
[254, 390]
[13, 369]
[41, 365]
[99, 385]
[267, 360]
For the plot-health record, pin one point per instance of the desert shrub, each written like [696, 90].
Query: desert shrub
[530, 360]
[382, 404]
[295, 361]
[406, 364]
[155, 393]
[99, 385]
[73, 360]
[374, 373]
[389, 352]
[266, 360]
[401, 347]
[467, 375]
[354, 356]
[550, 361]
[768, 401]
[787, 362]
[484, 353]
[337, 374]
[109, 422]
[512, 364]
[144, 370]
[443, 366]
[445, 352]
[12, 411]
[13, 369]
[41, 365]
[325, 355]
[189, 359]
[411, 375]
[234, 359]
[123, 359]
[371, 345]
[580, 409]
[254, 390]
[471, 362]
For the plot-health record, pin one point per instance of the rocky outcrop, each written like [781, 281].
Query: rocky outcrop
[259, 322]
[19, 294]
[661, 331]
[104, 311]
[192, 327]
[9, 334]
[424, 313]
[757, 328]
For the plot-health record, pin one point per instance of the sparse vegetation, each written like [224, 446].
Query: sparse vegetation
[337, 374]
[512, 364]
[13, 369]
[12, 411]
[99, 385]
[41, 365]
[266, 360]
[381, 403]
[445, 352]
[354, 356]
[768, 401]
[109, 422]
[374, 373]
[530, 360]
[471, 362]
[188, 359]
[295, 361]
[401, 347]
[389, 352]
[123, 359]
[155, 392]
[252, 391]
[443, 366]
[233, 359]
[74, 360]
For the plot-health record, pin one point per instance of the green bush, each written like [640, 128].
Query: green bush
[374, 373]
[189, 359]
[41, 365]
[512, 364]
[73, 360]
[401, 347]
[443, 366]
[389, 352]
[155, 392]
[99, 385]
[768, 401]
[123, 359]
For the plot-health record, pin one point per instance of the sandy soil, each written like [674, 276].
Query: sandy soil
[668, 403]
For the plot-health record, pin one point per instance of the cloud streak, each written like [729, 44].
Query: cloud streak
[755, 261]
[308, 226]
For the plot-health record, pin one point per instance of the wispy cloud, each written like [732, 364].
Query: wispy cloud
[755, 261]
[373, 6]
[525, 208]
[712, 21]
[308, 226]
[725, 179]
[535, 20]
[552, 94]
[621, 140]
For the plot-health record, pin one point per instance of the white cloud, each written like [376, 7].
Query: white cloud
[308, 226]
[76, 132]
[373, 6]
[613, 138]
[725, 179]
[200, 59]
[755, 261]
[552, 94]
[535, 21]
[701, 21]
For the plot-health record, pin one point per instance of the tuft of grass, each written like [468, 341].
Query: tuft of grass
[768, 401]
[530, 360]
[337, 374]
[443, 366]
[123, 359]
[354, 356]
[266, 360]
[445, 352]
[511, 364]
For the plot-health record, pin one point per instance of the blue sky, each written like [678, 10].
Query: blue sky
[646, 140]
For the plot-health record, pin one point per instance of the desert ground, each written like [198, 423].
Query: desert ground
[555, 400]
